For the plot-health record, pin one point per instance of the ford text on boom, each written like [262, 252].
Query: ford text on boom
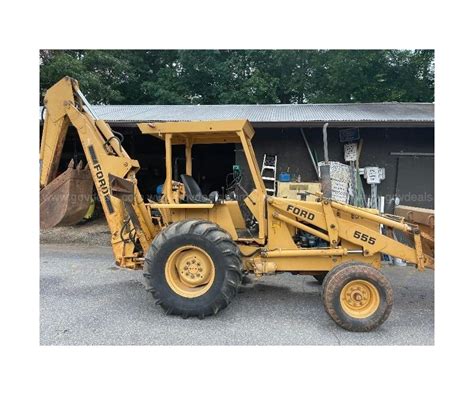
[300, 212]
[101, 180]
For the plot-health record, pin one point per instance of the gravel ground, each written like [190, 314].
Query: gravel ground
[86, 300]
[95, 233]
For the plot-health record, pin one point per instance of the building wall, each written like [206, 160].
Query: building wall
[412, 179]
[415, 183]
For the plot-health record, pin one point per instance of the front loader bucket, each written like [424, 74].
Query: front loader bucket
[66, 199]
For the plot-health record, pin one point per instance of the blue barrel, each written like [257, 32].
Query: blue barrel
[284, 177]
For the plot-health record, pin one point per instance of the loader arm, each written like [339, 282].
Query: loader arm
[109, 164]
[333, 221]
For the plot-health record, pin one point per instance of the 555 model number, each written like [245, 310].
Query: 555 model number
[363, 237]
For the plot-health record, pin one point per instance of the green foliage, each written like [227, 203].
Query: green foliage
[243, 76]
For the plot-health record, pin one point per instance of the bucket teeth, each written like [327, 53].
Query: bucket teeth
[79, 165]
[71, 164]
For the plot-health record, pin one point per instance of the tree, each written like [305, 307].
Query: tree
[243, 76]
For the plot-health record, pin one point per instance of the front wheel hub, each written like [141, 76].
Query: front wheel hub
[359, 299]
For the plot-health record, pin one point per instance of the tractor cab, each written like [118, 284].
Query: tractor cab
[238, 211]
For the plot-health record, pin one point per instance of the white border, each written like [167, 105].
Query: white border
[27, 27]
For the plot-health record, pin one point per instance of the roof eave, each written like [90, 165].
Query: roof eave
[314, 124]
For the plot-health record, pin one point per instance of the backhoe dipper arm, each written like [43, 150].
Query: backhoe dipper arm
[65, 105]
[55, 128]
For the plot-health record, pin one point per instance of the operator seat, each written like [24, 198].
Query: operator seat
[193, 191]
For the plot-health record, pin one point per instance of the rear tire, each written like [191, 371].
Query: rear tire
[193, 268]
[357, 297]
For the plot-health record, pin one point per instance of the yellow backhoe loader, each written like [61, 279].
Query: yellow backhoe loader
[195, 249]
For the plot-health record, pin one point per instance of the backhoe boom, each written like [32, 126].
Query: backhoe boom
[130, 224]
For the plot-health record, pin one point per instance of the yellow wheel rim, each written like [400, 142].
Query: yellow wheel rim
[360, 299]
[190, 271]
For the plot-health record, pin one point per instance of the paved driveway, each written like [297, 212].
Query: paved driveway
[87, 300]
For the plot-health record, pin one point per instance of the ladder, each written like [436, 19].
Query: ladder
[268, 173]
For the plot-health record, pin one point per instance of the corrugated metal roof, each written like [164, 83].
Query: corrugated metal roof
[275, 114]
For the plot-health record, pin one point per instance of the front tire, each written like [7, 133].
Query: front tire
[357, 297]
[193, 268]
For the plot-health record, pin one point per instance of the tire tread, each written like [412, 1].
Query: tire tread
[231, 261]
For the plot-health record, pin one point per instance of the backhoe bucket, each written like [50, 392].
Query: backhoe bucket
[66, 199]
